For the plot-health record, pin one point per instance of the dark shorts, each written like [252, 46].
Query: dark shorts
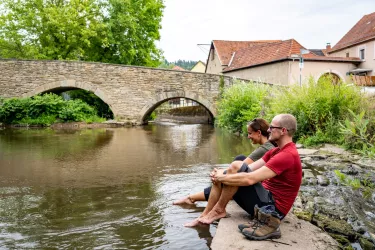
[249, 196]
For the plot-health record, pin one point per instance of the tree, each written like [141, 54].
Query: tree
[114, 31]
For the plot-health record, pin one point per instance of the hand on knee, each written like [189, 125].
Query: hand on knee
[234, 167]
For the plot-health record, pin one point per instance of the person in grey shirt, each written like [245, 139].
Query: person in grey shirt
[257, 133]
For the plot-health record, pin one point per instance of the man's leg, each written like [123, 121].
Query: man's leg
[218, 210]
[213, 199]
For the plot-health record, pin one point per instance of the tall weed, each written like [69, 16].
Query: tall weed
[358, 133]
[318, 106]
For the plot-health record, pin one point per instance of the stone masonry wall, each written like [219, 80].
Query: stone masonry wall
[131, 92]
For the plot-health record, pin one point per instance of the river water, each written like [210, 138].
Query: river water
[108, 188]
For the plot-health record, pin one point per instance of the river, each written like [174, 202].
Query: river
[108, 188]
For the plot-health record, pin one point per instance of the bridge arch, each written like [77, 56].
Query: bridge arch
[165, 96]
[65, 85]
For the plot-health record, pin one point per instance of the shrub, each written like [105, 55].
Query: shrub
[318, 106]
[240, 103]
[76, 110]
[90, 98]
[14, 110]
[45, 110]
[47, 104]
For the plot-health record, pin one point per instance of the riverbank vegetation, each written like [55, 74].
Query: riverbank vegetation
[44, 110]
[326, 113]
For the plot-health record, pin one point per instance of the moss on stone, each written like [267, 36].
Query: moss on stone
[303, 215]
[366, 244]
[342, 240]
[334, 226]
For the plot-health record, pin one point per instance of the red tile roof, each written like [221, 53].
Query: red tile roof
[225, 49]
[178, 68]
[277, 51]
[363, 30]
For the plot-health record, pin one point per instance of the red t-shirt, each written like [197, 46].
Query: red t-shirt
[284, 187]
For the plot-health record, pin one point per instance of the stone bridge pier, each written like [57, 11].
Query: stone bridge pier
[131, 92]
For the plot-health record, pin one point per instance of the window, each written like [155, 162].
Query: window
[347, 54]
[362, 54]
[212, 54]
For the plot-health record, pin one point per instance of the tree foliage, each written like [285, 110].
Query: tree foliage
[114, 31]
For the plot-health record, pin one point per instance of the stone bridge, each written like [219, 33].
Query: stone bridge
[131, 92]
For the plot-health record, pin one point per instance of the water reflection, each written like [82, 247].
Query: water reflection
[108, 188]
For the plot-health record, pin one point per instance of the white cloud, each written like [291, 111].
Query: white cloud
[312, 23]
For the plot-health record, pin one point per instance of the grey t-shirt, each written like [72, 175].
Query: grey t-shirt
[259, 152]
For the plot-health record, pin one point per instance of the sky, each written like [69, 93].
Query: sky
[312, 23]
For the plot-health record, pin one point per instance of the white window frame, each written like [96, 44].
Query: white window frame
[359, 52]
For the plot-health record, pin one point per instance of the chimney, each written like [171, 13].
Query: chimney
[328, 46]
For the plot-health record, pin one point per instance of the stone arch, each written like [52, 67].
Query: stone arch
[165, 96]
[72, 84]
[337, 77]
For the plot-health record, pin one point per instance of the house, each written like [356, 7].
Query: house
[359, 42]
[199, 67]
[221, 52]
[275, 61]
[178, 68]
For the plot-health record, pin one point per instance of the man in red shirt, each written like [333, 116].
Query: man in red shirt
[280, 172]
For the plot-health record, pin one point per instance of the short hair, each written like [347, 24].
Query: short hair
[259, 124]
[289, 122]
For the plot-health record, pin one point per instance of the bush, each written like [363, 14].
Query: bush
[318, 107]
[47, 104]
[239, 104]
[14, 110]
[45, 110]
[91, 99]
[75, 110]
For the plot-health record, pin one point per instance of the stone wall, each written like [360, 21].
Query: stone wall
[131, 92]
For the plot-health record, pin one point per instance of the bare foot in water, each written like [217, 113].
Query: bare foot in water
[184, 201]
[212, 216]
[193, 223]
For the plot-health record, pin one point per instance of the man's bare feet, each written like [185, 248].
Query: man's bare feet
[215, 214]
[184, 201]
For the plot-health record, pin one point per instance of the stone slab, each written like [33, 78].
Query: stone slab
[332, 149]
[305, 151]
[296, 234]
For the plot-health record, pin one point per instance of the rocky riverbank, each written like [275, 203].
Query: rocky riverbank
[337, 195]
